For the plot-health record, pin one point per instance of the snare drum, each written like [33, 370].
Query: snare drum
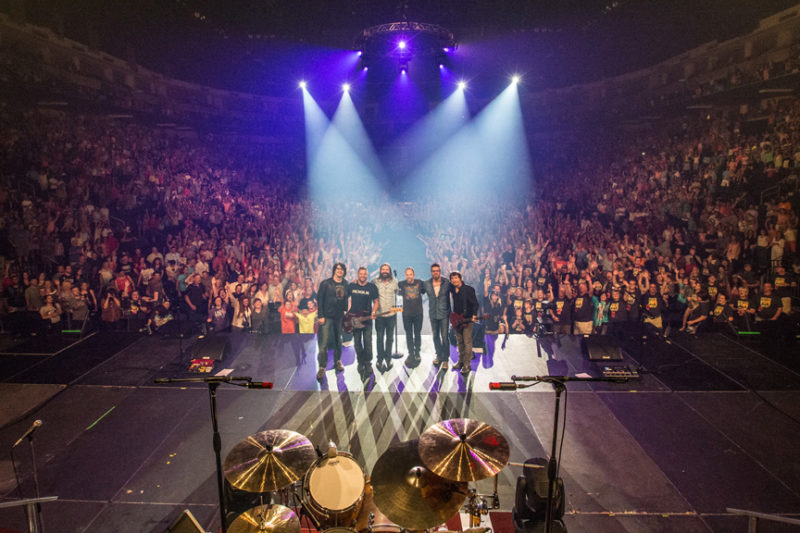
[334, 490]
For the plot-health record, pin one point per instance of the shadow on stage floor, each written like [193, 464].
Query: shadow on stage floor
[710, 424]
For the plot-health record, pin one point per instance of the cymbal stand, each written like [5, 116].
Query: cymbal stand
[477, 504]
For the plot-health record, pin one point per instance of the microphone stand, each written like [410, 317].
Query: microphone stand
[397, 354]
[214, 382]
[36, 481]
[559, 384]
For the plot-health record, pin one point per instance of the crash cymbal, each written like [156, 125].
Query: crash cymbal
[409, 494]
[269, 460]
[463, 450]
[266, 518]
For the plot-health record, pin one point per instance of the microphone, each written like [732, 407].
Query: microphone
[527, 378]
[259, 385]
[503, 385]
[34, 427]
[161, 380]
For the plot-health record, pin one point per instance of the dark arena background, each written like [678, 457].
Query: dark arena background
[203, 204]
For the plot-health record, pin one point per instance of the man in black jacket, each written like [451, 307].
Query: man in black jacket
[332, 297]
[465, 306]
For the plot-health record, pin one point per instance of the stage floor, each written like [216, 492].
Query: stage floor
[712, 423]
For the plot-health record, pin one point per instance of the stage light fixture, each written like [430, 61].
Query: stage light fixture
[302, 85]
[515, 79]
[346, 87]
[462, 85]
[401, 45]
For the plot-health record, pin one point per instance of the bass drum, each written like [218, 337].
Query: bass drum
[333, 490]
[378, 523]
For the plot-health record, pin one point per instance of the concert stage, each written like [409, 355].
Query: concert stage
[712, 423]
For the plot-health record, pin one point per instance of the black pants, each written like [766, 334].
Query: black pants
[439, 326]
[330, 330]
[413, 326]
[384, 327]
[362, 342]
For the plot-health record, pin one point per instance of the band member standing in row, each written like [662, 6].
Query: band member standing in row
[385, 321]
[438, 290]
[332, 298]
[411, 289]
[465, 304]
[363, 301]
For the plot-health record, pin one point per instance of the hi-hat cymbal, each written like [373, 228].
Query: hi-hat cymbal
[269, 460]
[266, 518]
[463, 450]
[409, 494]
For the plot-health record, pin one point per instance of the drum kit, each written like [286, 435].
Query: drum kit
[415, 485]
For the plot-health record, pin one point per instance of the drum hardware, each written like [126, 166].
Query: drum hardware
[271, 518]
[478, 505]
[462, 449]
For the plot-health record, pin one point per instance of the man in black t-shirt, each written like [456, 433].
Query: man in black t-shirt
[411, 290]
[654, 305]
[769, 305]
[363, 302]
[784, 283]
[617, 311]
[744, 311]
[583, 310]
[332, 298]
[722, 313]
[196, 299]
[561, 311]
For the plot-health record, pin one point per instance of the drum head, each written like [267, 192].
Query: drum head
[337, 483]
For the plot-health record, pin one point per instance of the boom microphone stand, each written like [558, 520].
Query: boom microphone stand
[214, 382]
[397, 354]
[559, 385]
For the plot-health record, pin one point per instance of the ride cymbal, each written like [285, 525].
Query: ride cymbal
[266, 518]
[269, 460]
[462, 449]
[409, 494]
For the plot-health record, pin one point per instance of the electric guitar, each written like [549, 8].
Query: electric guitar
[458, 321]
[358, 320]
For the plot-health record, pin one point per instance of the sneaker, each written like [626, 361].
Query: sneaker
[436, 362]
[387, 364]
[339, 366]
[321, 373]
[444, 365]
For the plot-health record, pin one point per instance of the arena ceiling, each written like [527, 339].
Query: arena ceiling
[253, 44]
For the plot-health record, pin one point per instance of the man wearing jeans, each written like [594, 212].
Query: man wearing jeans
[438, 290]
[332, 297]
[364, 303]
[465, 304]
[385, 320]
[411, 289]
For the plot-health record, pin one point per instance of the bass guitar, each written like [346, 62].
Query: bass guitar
[458, 321]
[358, 320]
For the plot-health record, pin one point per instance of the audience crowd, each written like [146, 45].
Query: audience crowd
[120, 225]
